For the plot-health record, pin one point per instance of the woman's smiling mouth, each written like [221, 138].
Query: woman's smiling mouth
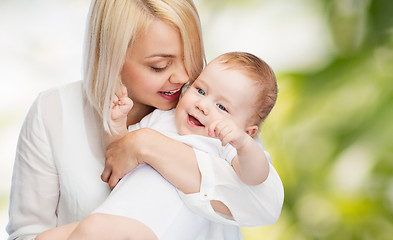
[170, 95]
[171, 92]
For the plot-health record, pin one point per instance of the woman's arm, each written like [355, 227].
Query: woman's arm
[174, 160]
[35, 186]
[207, 184]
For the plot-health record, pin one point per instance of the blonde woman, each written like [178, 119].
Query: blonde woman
[153, 48]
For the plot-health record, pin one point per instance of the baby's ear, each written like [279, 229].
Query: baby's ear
[252, 130]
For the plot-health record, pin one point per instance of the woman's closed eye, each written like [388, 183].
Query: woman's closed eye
[159, 69]
[161, 66]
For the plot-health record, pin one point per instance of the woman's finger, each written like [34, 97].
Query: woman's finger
[106, 174]
[113, 180]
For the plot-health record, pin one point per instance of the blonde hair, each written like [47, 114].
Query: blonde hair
[263, 76]
[113, 26]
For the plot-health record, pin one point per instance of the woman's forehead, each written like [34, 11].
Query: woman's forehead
[159, 39]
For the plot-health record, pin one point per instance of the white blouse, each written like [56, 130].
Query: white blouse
[60, 157]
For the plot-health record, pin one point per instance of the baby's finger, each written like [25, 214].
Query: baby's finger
[222, 130]
[127, 101]
[219, 125]
[212, 129]
[115, 101]
[123, 91]
[126, 105]
[228, 138]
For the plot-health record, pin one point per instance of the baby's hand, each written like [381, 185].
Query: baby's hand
[122, 104]
[228, 132]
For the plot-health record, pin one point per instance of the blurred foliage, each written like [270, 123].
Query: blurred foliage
[331, 134]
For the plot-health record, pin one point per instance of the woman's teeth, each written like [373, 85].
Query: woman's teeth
[171, 92]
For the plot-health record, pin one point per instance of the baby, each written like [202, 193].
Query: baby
[228, 101]
[220, 113]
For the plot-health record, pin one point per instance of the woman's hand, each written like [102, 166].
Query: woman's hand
[174, 160]
[121, 158]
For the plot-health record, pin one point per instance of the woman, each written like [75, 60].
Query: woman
[60, 153]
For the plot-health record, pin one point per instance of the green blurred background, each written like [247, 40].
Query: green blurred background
[330, 134]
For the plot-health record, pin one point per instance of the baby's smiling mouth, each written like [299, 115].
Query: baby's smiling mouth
[193, 121]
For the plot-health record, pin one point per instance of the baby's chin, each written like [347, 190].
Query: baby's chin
[184, 132]
[188, 132]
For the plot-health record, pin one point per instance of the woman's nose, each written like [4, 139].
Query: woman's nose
[180, 75]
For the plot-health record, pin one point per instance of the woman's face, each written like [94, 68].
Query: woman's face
[153, 71]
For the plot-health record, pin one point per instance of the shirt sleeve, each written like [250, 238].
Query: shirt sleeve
[228, 153]
[35, 188]
[250, 205]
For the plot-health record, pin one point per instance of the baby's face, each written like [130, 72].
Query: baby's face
[217, 94]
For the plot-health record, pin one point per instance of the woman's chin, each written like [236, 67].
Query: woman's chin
[166, 107]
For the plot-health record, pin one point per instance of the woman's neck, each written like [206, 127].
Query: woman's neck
[137, 112]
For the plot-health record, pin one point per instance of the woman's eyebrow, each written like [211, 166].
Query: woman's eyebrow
[163, 55]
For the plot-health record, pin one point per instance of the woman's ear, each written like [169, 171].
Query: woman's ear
[252, 130]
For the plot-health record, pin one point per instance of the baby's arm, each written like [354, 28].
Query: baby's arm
[250, 163]
[121, 105]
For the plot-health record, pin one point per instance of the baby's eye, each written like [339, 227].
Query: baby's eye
[222, 107]
[200, 91]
